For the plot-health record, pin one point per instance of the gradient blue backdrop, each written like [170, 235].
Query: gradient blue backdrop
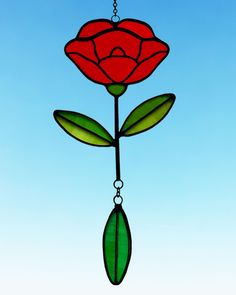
[56, 193]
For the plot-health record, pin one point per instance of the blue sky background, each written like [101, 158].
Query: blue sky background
[56, 193]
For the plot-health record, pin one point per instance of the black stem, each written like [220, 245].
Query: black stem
[117, 137]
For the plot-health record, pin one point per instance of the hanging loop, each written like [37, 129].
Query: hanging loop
[115, 18]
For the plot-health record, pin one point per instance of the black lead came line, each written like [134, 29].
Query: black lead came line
[117, 137]
[116, 248]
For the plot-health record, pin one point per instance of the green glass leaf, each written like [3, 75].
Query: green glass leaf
[147, 114]
[83, 128]
[116, 245]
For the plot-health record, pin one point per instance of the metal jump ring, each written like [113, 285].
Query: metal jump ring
[115, 18]
[118, 184]
[117, 197]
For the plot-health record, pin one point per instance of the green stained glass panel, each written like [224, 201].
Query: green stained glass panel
[116, 89]
[147, 114]
[123, 243]
[110, 246]
[83, 128]
[117, 245]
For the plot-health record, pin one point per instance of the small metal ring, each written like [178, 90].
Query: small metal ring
[118, 197]
[118, 184]
[115, 18]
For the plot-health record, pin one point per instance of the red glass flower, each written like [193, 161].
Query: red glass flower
[107, 53]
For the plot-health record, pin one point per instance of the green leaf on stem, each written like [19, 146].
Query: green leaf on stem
[83, 128]
[147, 114]
[117, 245]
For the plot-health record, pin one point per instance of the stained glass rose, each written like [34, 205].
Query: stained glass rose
[108, 53]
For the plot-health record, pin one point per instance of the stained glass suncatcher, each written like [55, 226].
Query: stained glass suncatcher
[116, 53]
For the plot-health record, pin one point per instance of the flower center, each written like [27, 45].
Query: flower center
[117, 51]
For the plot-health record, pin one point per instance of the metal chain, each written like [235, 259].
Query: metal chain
[115, 17]
[118, 184]
[115, 10]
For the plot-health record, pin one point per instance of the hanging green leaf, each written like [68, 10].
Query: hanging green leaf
[147, 114]
[83, 128]
[116, 245]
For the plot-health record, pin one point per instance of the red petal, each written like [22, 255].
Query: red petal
[149, 48]
[85, 48]
[118, 68]
[138, 27]
[145, 69]
[90, 69]
[108, 41]
[93, 27]
[118, 52]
